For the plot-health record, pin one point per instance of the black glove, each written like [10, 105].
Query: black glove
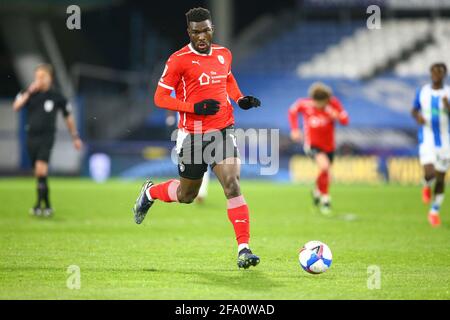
[207, 107]
[248, 102]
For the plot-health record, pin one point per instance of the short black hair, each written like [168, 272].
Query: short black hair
[197, 15]
[439, 65]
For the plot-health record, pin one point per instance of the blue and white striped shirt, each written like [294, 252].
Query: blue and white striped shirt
[429, 102]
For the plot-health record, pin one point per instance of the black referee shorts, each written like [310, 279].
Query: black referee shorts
[39, 147]
[312, 151]
[197, 151]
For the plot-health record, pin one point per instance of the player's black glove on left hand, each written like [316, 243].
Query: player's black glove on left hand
[248, 102]
[207, 107]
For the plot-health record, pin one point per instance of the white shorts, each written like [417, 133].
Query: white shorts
[439, 157]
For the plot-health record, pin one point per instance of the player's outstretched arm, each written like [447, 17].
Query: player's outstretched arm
[72, 128]
[416, 112]
[338, 112]
[293, 115]
[164, 100]
[417, 115]
[22, 98]
[446, 103]
[296, 134]
[20, 101]
[343, 118]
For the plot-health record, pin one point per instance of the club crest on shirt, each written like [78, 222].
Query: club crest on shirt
[221, 59]
[48, 105]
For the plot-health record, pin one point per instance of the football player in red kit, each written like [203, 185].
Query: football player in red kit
[200, 74]
[320, 112]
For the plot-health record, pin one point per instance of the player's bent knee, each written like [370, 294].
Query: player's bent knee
[326, 165]
[323, 164]
[41, 169]
[187, 197]
[429, 176]
[185, 200]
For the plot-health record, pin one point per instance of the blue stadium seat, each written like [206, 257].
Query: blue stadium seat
[299, 44]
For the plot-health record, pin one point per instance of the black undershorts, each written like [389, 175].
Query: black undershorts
[197, 151]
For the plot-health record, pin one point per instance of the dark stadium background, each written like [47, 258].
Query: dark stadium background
[110, 67]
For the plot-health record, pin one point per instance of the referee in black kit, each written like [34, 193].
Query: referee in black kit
[42, 102]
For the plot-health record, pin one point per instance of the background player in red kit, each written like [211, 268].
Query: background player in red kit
[320, 112]
[200, 74]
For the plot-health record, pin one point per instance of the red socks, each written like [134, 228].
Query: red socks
[166, 191]
[238, 215]
[323, 182]
[237, 208]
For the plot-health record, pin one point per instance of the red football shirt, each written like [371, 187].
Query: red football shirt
[195, 77]
[318, 123]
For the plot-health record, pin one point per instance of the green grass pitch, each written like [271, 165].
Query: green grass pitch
[189, 251]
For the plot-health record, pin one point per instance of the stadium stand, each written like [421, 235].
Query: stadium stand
[374, 72]
[366, 51]
[298, 44]
[437, 50]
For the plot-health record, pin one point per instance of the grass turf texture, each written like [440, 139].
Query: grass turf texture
[189, 251]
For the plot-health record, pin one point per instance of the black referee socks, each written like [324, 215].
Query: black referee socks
[42, 190]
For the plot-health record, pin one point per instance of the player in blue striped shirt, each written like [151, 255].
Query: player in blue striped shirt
[431, 111]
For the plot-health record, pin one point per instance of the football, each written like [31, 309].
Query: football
[315, 257]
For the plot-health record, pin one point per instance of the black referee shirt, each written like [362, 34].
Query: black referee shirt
[42, 110]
